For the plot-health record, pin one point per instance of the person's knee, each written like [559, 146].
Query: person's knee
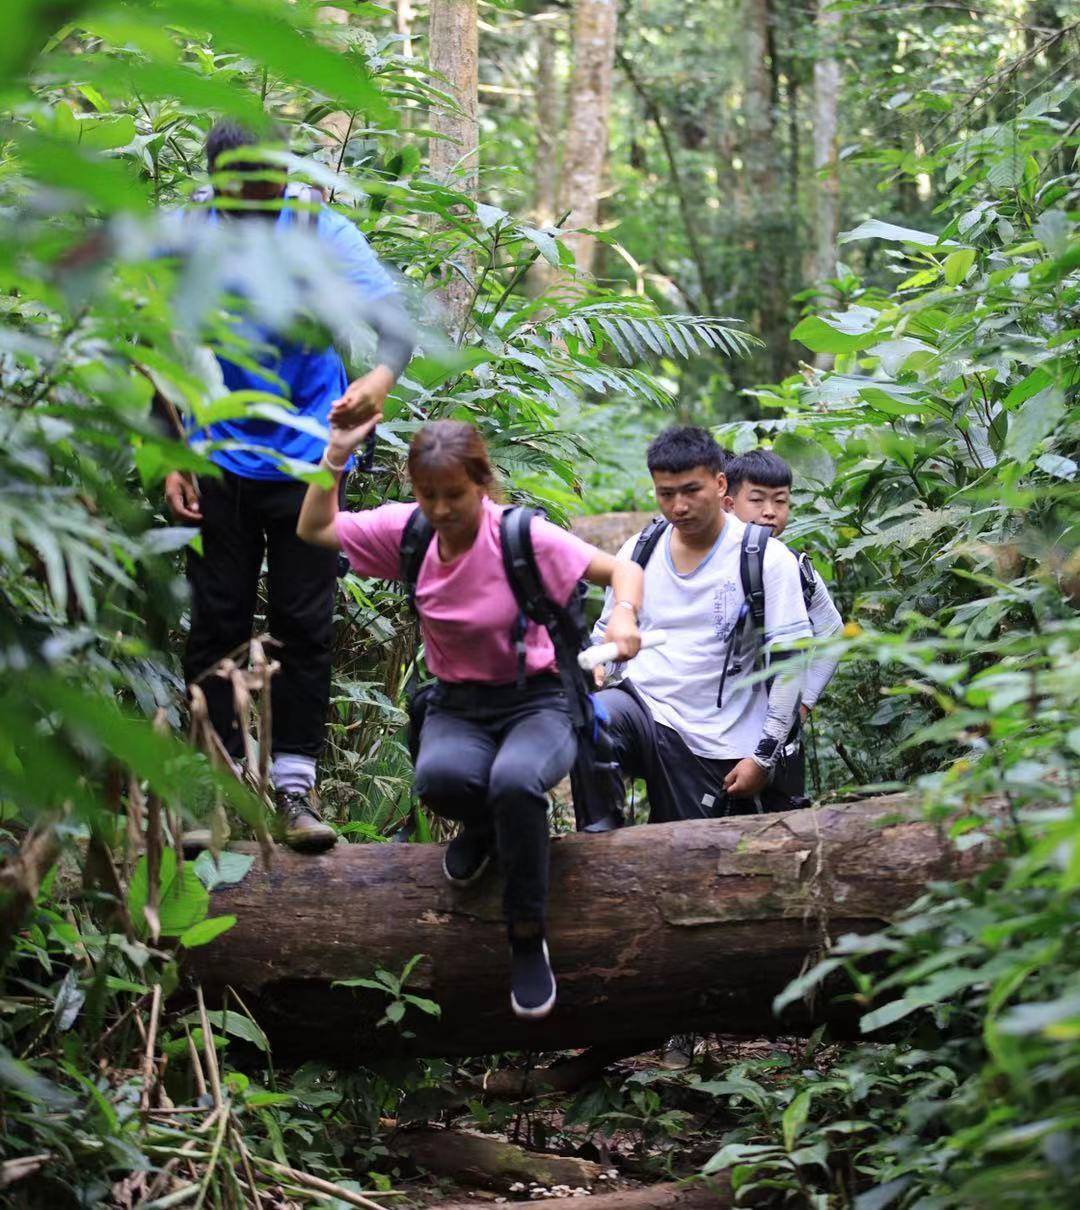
[441, 780]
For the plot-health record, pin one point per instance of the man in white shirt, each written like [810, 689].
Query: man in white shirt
[690, 719]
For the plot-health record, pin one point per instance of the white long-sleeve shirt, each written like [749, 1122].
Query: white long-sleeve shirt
[825, 620]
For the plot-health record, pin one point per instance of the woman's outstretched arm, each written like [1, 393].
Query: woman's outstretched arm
[318, 513]
[627, 582]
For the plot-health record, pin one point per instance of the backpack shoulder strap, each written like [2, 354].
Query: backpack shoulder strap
[310, 198]
[807, 577]
[647, 541]
[519, 563]
[415, 540]
[752, 571]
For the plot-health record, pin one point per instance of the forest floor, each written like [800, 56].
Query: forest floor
[642, 1123]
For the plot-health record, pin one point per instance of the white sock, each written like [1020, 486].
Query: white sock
[293, 773]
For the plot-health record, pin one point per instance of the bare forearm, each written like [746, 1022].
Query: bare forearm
[628, 583]
[318, 514]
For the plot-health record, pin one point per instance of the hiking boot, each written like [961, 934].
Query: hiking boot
[679, 1053]
[532, 983]
[299, 823]
[467, 856]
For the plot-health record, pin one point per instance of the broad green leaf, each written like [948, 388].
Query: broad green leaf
[875, 229]
[1033, 422]
[231, 1022]
[206, 930]
[794, 1117]
[958, 264]
[808, 459]
[226, 869]
[183, 901]
[895, 1010]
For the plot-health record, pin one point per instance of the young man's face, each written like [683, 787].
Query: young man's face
[691, 500]
[761, 505]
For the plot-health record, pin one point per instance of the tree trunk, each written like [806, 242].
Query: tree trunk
[548, 120]
[454, 157]
[587, 122]
[404, 20]
[826, 163]
[653, 930]
[769, 227]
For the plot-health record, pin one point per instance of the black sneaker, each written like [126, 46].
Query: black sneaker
[299, 823]
[467, 856]
[679, 1052]
[532, 983]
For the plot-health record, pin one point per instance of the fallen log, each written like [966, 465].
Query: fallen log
[666, 1196]
[609, 530]
[477, 1159]
[653, 930]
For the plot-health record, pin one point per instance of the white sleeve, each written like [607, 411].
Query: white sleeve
[825, 620]
[785, 622]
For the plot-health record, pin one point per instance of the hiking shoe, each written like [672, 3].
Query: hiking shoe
[679, 1052]
[299, 822]
[532, 983]
[467, 856]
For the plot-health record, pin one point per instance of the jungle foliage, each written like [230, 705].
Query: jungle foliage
[936, 461]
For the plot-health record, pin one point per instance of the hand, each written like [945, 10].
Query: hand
[599, 676]
[362, 398]
[746, 779]
[182, 497]
[622, 630]
[804, 714]
[343, 440]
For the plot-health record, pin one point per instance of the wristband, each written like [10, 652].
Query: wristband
[340, 470]
[627, 605]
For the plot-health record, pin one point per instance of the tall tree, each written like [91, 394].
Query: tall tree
[454, 152]
[826, 161]
[548, 119]
[767, 226]
[587, 122]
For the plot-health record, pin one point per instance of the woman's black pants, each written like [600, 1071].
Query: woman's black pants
[488, 755]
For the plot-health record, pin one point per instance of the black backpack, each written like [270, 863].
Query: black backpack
[595, 779]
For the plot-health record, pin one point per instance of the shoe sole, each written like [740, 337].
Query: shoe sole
[459, 882]
[541, 1010]
[302, 843]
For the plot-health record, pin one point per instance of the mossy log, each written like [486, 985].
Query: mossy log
[653, 930]
[490, 1163]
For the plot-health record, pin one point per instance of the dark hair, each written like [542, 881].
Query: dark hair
[228, 135]
[682, 447]
[758, 466]
[442, 444]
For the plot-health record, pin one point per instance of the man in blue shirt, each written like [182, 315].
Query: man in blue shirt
[251, 510]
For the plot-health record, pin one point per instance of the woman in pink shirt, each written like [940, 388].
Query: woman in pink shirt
[489, 750]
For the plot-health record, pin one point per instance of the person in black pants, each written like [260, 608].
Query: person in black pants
[249, 510]
[497, 734]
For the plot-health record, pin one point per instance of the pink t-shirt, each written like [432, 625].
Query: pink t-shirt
[467, 609]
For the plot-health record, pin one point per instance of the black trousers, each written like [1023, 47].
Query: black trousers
[488, 755]
[681, 784]
[243, 519]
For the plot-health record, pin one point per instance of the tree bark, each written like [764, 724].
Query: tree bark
[610, 530]
[587, 123]
[548, 120]
[454, 152]
[669, 928]
[769, 228]
[826, 162]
